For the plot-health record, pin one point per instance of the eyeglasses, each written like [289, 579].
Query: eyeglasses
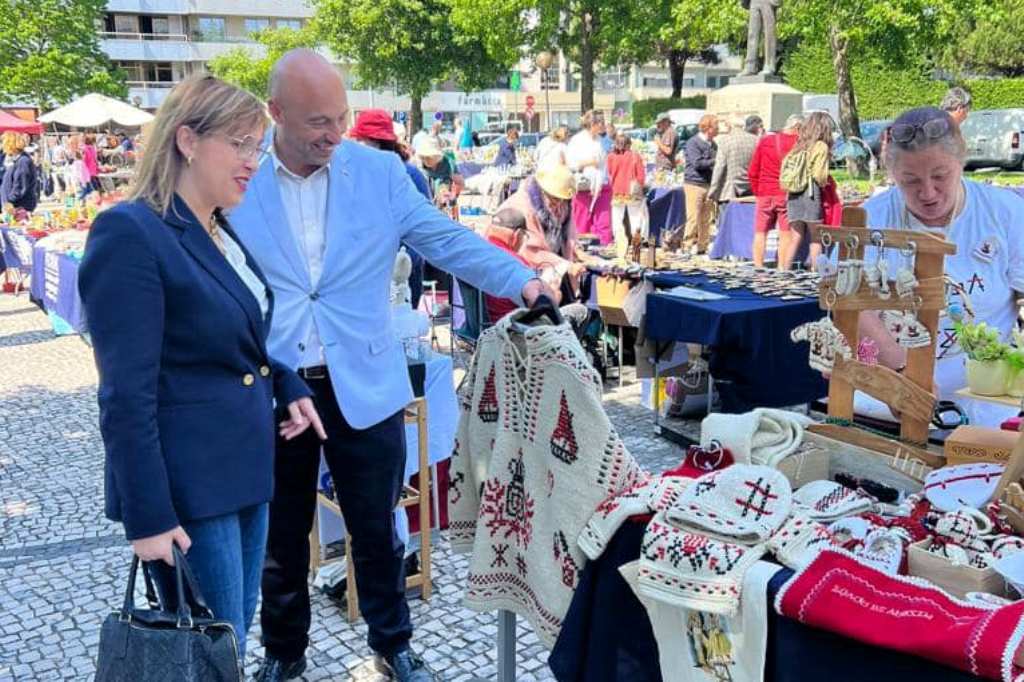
[905, 133]
[248, 148]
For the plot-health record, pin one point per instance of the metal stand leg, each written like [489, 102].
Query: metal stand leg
[711, 391]
[620, 356]
[506, 646]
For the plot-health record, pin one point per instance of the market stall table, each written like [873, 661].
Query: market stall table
[607, 636]
[752, 359]
[666, 209]
[55, 286]
[16, 251]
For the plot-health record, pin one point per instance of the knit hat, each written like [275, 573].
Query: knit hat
[964, 485]
[682, 568]
[799, 541]
[744, 503]
[828, 500]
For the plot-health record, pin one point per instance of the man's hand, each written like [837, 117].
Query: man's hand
[534, 289]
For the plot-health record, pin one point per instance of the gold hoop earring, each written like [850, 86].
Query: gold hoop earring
[188, 160]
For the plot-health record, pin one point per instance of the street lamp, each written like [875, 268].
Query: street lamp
[543, 61]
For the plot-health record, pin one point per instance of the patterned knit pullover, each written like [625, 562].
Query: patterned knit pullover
[535, 455]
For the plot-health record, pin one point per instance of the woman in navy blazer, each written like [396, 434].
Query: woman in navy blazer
[178, 313]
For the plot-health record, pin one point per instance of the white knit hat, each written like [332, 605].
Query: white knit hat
[828, 500]
[799, 541]
[682, 568]
[744, 503]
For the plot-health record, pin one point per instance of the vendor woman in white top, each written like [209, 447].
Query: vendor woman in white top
[925, 156]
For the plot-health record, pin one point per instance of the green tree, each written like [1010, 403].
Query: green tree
[995, 44]
[900, 32]
[250, 69]
[584, 30]
[409, 44]
[673, 32]
[50, 52]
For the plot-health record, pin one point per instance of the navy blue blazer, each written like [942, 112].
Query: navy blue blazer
[187, 387]
[20, 184]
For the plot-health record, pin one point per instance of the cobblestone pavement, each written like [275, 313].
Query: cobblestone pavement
[63, 566]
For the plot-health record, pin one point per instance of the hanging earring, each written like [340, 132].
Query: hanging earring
[188, 160]
[872, 273]
[851, 270]
[905, 279]
[915, 334]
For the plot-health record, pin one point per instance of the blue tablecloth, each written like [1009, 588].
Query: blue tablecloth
[16, 249]
[736, 232]
[607, 636]
[468, 169]
[54, 286]
[666, 208]
[752, 357]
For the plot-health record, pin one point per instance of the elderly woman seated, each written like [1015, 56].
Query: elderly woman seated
[550, 244]
[925, 156]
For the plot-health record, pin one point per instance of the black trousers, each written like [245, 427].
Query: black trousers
[367, 467]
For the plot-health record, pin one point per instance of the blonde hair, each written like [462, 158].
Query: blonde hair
[13, 142]
[205, 104]
[707, 123]
[561, 133]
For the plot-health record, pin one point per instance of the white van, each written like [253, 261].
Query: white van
[995, 137]
[683, 117]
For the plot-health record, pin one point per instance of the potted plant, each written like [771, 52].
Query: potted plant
[988, 371]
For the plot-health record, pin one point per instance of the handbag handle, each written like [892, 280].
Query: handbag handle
[182, 576]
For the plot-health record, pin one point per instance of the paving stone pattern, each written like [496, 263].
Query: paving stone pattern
[63, 565]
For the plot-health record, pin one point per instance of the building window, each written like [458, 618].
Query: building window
[659, 82]
[255, 25]
[158, 72]
[126, 23]
[294, 24]
[688, 82]
[149, 25]
[211, 28]
[132, 70]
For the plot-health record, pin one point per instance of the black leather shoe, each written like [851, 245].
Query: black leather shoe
[405, 666]
[275, 670]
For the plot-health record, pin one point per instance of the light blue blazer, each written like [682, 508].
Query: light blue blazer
[372, 206]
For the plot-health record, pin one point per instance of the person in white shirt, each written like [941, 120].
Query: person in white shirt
[551, 150]
[925, 154]
[585, 156]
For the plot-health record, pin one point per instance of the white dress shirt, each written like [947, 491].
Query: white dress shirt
[305, 205]
[236, 259]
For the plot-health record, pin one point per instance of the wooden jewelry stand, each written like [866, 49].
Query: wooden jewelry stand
[909, 393]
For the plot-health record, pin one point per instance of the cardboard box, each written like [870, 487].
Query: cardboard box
[611, 293]
[973, 444]
[957, 580]
[803, 467]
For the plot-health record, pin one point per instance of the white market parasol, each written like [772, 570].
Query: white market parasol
[95, 110]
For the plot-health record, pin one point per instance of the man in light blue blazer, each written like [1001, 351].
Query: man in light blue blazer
[324, 218]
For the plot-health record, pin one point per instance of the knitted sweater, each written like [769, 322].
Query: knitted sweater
[535, 455]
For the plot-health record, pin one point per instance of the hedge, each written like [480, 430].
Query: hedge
[883, 92]
[645, 111]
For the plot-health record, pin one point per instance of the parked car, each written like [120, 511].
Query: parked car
[993, 138]
[870, 131]
[638, 134]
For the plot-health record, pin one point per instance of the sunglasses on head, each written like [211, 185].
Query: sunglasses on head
[905, 133]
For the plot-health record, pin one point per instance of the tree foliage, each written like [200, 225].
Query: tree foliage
[994, 43]
[50, 52]
[584, 30]
[250, 69]
[409, 44]
[673, 32]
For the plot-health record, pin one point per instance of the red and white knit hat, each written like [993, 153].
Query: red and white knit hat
[744, 503]
[799, 541]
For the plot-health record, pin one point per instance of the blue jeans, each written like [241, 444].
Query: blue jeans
[226, 557]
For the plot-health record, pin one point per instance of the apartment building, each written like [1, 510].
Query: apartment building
[160, 42]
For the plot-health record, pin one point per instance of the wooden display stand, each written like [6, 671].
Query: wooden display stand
[415, 413]
[909, 393]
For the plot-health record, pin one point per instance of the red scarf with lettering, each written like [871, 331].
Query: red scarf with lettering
[838, 593]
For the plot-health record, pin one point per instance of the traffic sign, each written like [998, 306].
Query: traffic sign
[438, 116]
[515, 81]
[530, 101]
[401, 116]
[529, 112]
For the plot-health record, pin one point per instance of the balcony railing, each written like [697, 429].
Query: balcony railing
[150, 85]
[115, 35]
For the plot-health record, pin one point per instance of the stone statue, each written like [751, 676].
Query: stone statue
[762, 20]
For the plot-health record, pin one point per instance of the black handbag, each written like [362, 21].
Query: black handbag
[188, 645]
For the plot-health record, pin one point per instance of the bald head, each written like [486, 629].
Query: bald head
[309, 108]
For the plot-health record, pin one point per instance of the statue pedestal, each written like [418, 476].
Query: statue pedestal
[766, 96]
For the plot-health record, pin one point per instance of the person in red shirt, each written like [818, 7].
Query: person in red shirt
[508, 232]
[771, 199]
[627, 173]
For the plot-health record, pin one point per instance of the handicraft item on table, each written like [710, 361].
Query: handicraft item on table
[910, 307]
